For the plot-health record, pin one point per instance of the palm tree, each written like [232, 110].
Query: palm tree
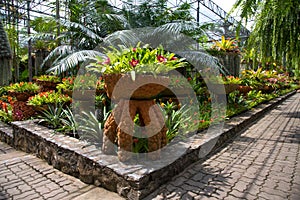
[89, 23]
[5, 58]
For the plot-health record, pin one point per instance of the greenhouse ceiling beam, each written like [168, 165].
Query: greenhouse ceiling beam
[222, 14]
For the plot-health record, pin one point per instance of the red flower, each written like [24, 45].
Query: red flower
[189, 78]
[135, 140]
[160, 58]
[174, 58]
[134, 49]
[134, 62]
[107, 61]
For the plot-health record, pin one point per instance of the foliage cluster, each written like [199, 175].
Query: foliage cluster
[139, 59]
[23, 87]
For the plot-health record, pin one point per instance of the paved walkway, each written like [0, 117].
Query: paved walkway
[26, 177]
[262, 163]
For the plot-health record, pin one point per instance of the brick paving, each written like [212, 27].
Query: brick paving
[26, 177]
[262, 163]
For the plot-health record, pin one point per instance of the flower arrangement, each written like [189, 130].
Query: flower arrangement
[23, 87]
[50, 97]
[137, 59]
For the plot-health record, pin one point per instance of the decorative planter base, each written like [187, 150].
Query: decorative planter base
[46, 85]
[21, 96]
[124, 113]
[244, 89]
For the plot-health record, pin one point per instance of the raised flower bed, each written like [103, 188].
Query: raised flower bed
[23, 90]
[132, 180]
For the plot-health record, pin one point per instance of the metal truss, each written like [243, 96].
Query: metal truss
[16, 12]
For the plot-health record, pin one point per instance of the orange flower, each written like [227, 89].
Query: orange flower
[4, 107]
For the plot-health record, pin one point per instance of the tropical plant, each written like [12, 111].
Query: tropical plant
[50, 78]
[89, 23]
[23, 87]
[231, 80]
[6, 114]
[50, 97]
[66, 84]
[86, 82]
[69, 123]
[52, 117]
[276, 30]
[226, 45]
[176, 119]
[138, 59]
[91, 128]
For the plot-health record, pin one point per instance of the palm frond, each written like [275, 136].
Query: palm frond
[116, 18]
[72, 60]
[125, 38]
[59, 51]
[177, 27]
[83, 29]
[201, 60]
[40, 36]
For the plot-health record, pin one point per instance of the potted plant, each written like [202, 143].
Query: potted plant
[136, 65]
[42, 100]
[23, 90]
[217, 83]
[228, 53]
[85, 86]
[66, 86]
[47, 82]
[179, 84]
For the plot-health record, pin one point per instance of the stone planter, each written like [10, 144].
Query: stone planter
[218, 88]
[266, 89]
[231, 61]
[68, 92]
[21, 96]
[46, 85]
[143, 87]
[243, 89]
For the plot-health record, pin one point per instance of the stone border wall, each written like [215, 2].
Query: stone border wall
[129, 180]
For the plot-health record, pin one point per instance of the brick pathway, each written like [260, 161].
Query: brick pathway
[262, 163]
[26, 177]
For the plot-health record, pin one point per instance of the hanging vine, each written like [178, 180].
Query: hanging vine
[276, 33]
